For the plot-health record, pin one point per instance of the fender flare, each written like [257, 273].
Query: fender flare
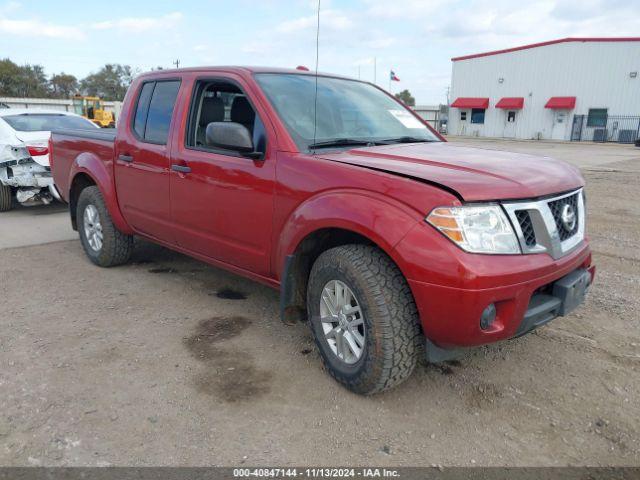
[101, 173]
[382, 220]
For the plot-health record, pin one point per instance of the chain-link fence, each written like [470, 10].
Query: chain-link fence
[606, 128]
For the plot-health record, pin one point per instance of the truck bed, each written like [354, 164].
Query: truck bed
[80, 147]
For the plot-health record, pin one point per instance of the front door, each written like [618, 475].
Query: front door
[221, 201]
[142, 161]
[559, 125]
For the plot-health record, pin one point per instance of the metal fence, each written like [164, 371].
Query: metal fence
[610, 128]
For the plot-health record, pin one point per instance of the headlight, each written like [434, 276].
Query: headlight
[476, 229]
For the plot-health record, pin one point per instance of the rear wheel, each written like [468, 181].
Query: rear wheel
[363, 318]
[6, 198]
[103, 243]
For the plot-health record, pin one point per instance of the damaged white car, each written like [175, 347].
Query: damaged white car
[25, 174]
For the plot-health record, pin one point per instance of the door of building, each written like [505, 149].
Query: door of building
[559, 125]
[510, 124]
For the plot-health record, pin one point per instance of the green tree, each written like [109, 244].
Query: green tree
[22, 81]
[110, 82]
[63, 85]
[9, 78]
[405, 97]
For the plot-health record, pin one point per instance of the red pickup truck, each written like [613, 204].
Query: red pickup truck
[389, 241]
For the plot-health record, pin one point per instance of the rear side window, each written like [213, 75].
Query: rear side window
[154, 110]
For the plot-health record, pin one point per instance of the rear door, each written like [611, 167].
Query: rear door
[142, 160]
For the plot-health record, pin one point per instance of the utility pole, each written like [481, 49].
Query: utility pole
[177, 63]
[358, 72]
[448, 95]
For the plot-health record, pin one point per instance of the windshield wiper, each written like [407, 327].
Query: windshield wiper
[407, 139]
[344, 142]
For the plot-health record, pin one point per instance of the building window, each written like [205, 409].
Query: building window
[463, 115]
[477, 115]
[597, 117]
[511, 116]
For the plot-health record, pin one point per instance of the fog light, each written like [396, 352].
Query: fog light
[488, 316]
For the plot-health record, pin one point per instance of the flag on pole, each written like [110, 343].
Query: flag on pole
[393, 77]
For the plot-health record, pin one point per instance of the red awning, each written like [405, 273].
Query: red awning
[471, 102]
[561, 103]
[511, 103]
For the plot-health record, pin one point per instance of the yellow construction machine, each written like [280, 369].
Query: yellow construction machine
[92, 109]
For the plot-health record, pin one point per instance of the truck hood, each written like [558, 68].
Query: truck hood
[475, 174]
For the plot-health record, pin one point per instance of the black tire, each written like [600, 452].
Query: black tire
[116, 247]
[393, 335]
[6, 198]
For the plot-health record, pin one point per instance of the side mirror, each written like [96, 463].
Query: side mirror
[229, 135]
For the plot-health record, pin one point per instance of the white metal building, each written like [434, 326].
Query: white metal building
[567, 89]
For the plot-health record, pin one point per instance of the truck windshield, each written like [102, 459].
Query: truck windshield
[349, 112]
[38, 122]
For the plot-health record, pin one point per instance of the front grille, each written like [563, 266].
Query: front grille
[561, 207]
[526, 225]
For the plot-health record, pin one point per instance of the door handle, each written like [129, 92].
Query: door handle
[181, 168]
[125, 158]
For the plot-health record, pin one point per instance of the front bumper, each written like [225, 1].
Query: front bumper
[462, 285]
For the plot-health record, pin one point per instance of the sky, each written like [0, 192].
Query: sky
[414, 38]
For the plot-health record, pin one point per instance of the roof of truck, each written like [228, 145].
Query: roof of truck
[244, 69]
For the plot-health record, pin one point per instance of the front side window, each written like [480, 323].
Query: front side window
[222, 101]
[463, 115]
[597, 117]
[154, 110]
[346, 110]
[477, 115]
[511, 116]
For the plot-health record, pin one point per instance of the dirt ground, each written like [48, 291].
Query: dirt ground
[168, 361]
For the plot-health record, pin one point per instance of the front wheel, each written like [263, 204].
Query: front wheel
[363, 318]
[103, 243]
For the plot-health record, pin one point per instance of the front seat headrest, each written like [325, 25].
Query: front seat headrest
[212, 111]
[242, 111]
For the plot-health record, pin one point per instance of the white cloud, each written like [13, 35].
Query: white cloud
[37, 28]
[329, 20]
[140, 24]
[405, 9]
[10, 7]
[381, 42]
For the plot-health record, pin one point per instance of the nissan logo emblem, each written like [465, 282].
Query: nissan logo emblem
[568, 217]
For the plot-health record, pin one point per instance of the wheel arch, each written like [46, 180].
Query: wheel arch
[330, 221]
[88, 170]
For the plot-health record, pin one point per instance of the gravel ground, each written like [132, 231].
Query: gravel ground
[168, 361]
